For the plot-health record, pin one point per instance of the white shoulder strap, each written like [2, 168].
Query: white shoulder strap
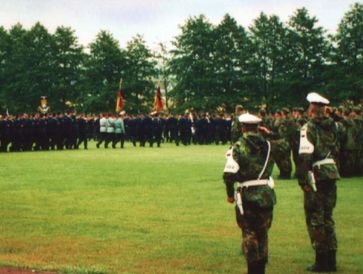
[266, 161]
[306, 147]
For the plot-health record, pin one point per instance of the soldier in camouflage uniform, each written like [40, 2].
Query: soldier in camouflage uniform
[299, 121]
[358, 121]
[317, 175]
[250, 164]
[236, 128]
[285, 129]
[349, 149]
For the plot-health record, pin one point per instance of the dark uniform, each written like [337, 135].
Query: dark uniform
[185, 130]
[82, 132]
[157, 130]
[172, 125]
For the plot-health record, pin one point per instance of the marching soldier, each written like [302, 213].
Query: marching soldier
[2, 133]
[250, 164]
[317, 174]
[119, 130]
[82, 132]
[157, 129]
[172, 124]
[103, 130]
[110, 131]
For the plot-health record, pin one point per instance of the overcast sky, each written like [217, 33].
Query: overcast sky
[156, 20]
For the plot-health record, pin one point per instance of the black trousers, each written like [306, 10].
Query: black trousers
[109, 139]
[101, 138]
[119, 137]
[82, 138]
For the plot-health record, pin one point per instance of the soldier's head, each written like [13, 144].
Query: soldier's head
[329, 112]
[278, 114]
[356, 111]
[285, 112]
[318, 103]
[262, 113]
[249, 122]
[238, 110]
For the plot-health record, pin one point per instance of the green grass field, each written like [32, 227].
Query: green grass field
[143, 210]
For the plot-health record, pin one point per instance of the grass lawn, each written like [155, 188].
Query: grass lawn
[143, 210]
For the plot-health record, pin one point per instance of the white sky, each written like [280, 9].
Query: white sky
[156, 20]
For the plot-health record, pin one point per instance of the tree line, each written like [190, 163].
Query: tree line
[209, 67]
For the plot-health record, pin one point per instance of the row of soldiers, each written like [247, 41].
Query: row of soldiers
[285, 125]
[70, 131]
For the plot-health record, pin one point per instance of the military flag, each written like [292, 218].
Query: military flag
[120, 98]
[43, 107]
[158, 101]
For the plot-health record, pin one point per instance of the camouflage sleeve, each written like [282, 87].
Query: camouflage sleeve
[305, 154]
[235, 131]
[230, 178]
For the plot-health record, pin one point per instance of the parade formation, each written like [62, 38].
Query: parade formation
[58, 131]
[112, 143]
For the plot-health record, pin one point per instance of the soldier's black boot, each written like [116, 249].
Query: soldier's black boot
[251, 268]
[256, 267]
[331, 261]
[261, 267]
[320, 263]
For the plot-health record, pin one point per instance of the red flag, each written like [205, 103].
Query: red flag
[158, 101]
[120, 98]
[119, 101]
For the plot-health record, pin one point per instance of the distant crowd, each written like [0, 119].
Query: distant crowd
[58, 131]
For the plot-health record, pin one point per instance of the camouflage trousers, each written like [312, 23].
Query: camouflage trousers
[254, 224]
[319, 208]
[281, 152]
[359, 163]
[348, 162]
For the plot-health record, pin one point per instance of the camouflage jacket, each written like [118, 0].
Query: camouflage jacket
[287, 128]
[359, 136]
[322, 135]
[236, 130]
[349, 139]
[250, 152]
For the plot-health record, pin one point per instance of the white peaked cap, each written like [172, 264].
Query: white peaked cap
[247, 118]
[313, 97]
[123, 112]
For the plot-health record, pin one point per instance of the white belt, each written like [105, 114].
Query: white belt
[253, 183]
[238, 194]
[324, 162]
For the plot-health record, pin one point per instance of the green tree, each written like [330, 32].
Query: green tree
[29, 68]
[231, 55]
[348, 58]
[310, 48]
[268, 60]
[104, 67]
[67, 68]
[5, 45]
[139, 76]
[192, 65]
